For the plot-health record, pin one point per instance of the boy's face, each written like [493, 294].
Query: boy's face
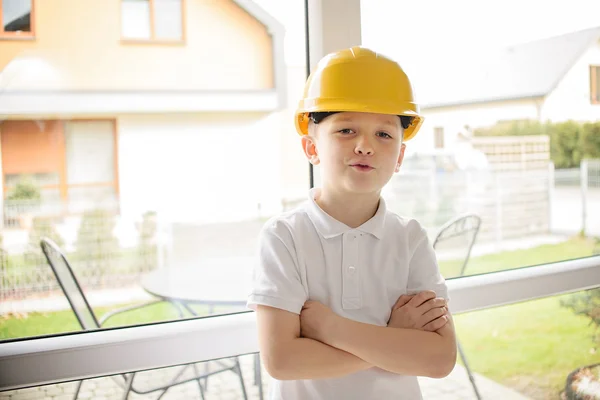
[358, 152]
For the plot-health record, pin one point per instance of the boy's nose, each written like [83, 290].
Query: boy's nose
[363, 147]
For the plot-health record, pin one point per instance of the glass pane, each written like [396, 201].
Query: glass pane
[168, 19]
[529, 348]
[90, 152]
[223, 382]
[513, 155]
[135, 19]
[16, 15]
[158, 189]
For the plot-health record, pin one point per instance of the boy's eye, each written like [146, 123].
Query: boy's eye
[384, 135]
[346, 131]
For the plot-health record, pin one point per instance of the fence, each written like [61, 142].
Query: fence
[93, 249]
[511, 204]
[578, 190]
[515, 153]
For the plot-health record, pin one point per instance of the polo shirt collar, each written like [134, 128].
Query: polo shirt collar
[330, 227]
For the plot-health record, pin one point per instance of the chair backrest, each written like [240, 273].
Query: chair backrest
[461, 230]
[69, 284]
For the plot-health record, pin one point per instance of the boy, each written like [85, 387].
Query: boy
[349, 300]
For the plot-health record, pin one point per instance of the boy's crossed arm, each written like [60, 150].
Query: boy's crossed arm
[321, 344]
[286, 355]
[403, 351]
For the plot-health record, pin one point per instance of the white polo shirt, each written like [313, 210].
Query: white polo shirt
[306, 254]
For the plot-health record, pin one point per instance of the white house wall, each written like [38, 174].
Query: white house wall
[198, 168]
[453, 119]
[571, 98]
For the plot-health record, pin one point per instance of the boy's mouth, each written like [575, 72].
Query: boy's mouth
[362, 167]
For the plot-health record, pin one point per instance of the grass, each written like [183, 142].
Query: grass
[530, 346]
[576, 247]
[39, 324]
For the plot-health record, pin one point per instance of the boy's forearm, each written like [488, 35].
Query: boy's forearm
[304, 358]
[401, 351]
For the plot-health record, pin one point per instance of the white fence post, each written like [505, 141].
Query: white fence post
[584, 194]
[551, 183]
[498, 208]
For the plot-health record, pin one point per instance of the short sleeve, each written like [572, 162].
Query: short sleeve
[424, 273]
[276, 277]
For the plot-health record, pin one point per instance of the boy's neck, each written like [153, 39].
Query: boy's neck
[352, 210]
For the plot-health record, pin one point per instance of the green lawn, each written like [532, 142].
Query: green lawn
[573, 248]
[37, 324]
[531, 346]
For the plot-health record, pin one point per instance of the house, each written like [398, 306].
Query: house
[553, 79]
[176, 107]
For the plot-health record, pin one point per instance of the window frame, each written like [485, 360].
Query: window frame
[439, 137]
[20, 35]
[594, 85]
[67, 356]
[153, 39]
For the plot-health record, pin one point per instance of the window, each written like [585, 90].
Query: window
[72, 161]
[160, 20]
[595, 84]
[200, 153]
[438, 137]
[16, 17]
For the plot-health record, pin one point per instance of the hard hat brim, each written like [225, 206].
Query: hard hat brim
[343, 105]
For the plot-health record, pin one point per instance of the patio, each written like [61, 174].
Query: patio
[226, 387]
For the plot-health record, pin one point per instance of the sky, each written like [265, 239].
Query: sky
[420, 31]
[424, 35]
[417, 31]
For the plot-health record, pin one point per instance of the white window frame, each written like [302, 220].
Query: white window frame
[59, 358]
[62, 358]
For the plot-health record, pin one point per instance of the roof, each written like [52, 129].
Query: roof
[521, 71]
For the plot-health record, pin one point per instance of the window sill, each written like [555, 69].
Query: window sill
[153, 42]
[27, 38]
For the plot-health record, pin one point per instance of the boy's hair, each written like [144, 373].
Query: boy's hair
[317, 117]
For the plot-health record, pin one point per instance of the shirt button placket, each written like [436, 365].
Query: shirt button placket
[351, 286]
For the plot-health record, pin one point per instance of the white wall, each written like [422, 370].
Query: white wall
[198, 168]
[453, 119]
[571, 98]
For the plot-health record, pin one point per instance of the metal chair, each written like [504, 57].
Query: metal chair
[88, 321]
[461, 230]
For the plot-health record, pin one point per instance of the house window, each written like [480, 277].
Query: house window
[16, 17]
[156, 20]
[595, 84]
[438, 137]
[69, 161]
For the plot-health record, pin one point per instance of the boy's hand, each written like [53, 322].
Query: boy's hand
[422, 311]
[316, 319]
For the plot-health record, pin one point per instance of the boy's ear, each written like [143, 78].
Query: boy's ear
[400, 157]
[310, 149]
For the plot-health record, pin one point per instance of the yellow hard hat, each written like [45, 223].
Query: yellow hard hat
[360, 80]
